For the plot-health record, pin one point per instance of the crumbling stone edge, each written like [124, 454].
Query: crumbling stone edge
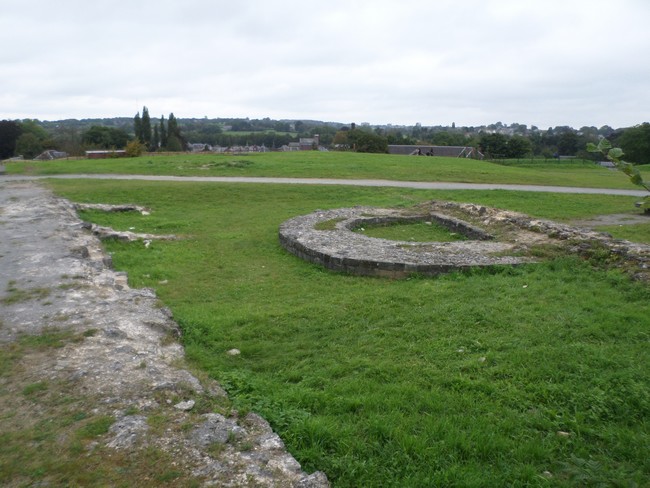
[337, 247]
[128, 364]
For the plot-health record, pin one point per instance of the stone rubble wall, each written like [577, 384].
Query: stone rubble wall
[129, 364]
[343, 250]
[340, 249]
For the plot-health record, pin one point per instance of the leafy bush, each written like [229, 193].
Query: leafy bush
[134, 148]
[614, 154]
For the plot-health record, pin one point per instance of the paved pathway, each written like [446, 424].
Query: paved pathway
[421, 185]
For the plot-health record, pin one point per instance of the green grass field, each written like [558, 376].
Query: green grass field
[316, 164]
[534, 376]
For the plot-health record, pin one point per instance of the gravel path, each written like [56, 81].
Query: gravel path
[422, 185]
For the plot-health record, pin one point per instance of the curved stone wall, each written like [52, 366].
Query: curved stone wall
[341, 249]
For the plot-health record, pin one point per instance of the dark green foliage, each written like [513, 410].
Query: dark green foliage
[166, 137]
[137, 126]
[146, 135]
[202, 131]
[362, 141]
[33, 139]
[615, 155]
[163, 132]
[518, 147]
[172, 126]
[498, 146]
[567, 143]
[174, 144]
[99, 137]
[175, 140]
[9, 133]
[449, 138]
[155, 141]
[29, 146]
[635, 141]
[494, 146]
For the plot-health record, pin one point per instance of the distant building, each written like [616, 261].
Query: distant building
[50, 155]
[292, 146]
[198, 147]
[106, 153]
[309, 143]
[304, 144]
[239, 149]
[446, 151]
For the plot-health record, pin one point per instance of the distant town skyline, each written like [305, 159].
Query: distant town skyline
[555, 63]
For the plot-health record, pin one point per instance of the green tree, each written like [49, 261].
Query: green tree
[137, 127]
[33, 139]
[447, 138]
[174, 144]
[28, 145]
[615, 155]
[29, 126]
[68, 139]
[175, 141]
[146, 128]
[494, 145]
[635, 141]
[567, 143]
[163, 132]
[155, 142]
[366, 142]
[9, 134]
[134, 148]
[518, 147]
[102, 137]
[397, 137]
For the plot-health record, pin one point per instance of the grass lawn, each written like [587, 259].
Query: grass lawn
[342, 165]
[534, 376]
[635, 233]
[411, 232]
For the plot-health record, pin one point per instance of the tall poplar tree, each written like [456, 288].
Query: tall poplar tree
[137, 126]
[174, 138]
[155, 143]
[163, 132]
[146, 127]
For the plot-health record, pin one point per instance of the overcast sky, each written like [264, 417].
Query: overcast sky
[472, 62]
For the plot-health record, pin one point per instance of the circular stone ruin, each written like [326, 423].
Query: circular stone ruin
[327, 238]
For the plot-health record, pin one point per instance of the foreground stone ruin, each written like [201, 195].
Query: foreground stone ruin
[124, 360]
[494, 238]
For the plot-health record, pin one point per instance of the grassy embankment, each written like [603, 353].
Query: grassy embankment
[342, 165]
[534, 376]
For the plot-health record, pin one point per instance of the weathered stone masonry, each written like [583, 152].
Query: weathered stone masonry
[341, 249]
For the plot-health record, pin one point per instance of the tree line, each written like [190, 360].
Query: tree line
[164, 136]
[30, 137]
